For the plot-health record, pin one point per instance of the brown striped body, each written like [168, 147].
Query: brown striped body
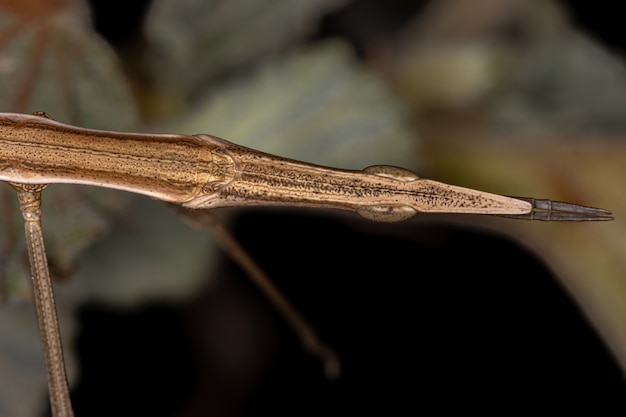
[203, 171]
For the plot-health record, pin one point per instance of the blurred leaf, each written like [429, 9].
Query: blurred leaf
[320, 105]
[23, 384]
[51, 60]
[150, 254]
[192, 41]
[72, 221]
[454, 53]
[566, 81]
[450, 77]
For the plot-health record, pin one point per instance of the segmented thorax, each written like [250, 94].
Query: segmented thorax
[217, 172]
[221, 172]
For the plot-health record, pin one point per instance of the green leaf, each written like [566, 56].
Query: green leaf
[193, 41]
[150, 254]
[320, 105]
[52, 61]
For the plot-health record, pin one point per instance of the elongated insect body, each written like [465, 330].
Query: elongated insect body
[204, 171]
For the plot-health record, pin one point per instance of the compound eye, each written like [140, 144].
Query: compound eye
[387, 213]
[395, 173]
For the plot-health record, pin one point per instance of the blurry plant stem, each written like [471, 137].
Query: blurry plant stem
[204, 219]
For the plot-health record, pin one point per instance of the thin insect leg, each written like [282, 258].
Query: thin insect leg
[308, 337]
[29, 197]
[548, 210]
